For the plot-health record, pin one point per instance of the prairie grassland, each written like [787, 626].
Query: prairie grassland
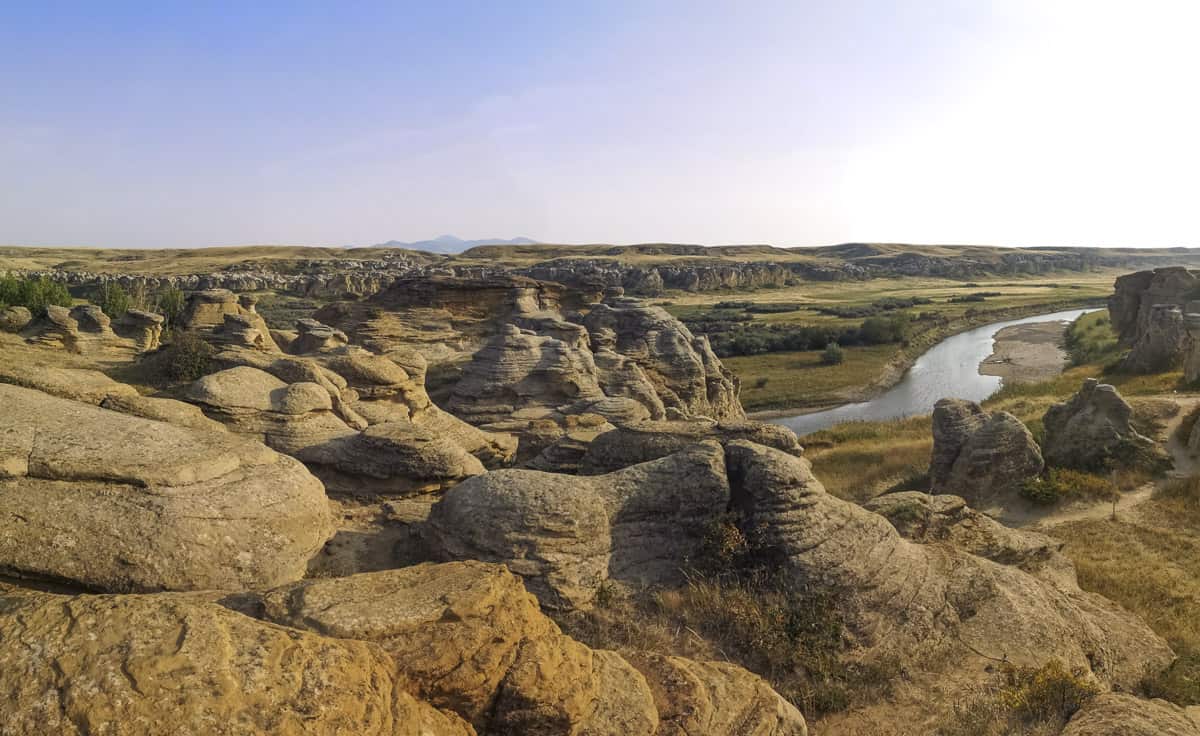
[1150, 564]
[775, 380]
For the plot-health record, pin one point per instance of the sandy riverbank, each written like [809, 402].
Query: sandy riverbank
[895, 370]
[1027, 353]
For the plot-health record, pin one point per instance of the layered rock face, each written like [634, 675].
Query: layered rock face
[432, 650]
[518, 370]
[568, 535]
[360, 422]
[226, 318]
[1093, 429]
[469, 639]
[168, 664]
[929, 604]
[445, 318]
[1146, 310]
[683, 369]
[985, 458]
[1120, 714]
[116, 502]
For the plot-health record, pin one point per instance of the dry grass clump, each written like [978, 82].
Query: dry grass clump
[734, 608]
[1062, 484]
[857, 461]
[1022, 700]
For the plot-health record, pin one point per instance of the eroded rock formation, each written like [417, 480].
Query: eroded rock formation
[682, 368]
[1093, 429]
[930, 603]
[983, 457]
[1146, 311]
[1121, 714]
[120, 503]
[567, 535]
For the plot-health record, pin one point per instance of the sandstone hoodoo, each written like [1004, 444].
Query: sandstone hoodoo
[983, 457]
[1094, 430]
[359, 421]
[1147, 312]
[227, 318]
[114, 502]
[683, 369]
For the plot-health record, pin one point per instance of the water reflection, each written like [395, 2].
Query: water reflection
[950, 368]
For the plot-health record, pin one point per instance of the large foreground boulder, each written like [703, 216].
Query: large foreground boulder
[117, 502]
[176, 665]
[983, 457]
[468, 638]
[1093, 430]
[931, 606]
[567, 535]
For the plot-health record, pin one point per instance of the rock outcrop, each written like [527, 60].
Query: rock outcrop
[446, 318]
[314, 337]
[1092, 430]
[983, 457]
[567, 535]
[177, 665]
[1146, 311]
[469, 639]
[1162, 343]
[119, 503]
[1121, 714]
[682, 368]
[926, 518]
[288, 417]
[358, 421]
[226, 318]
[14, 319]
[932, 606]
[644, 441]
[518, 370]
[87, 329]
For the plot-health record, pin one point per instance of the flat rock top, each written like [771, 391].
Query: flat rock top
[75, 441]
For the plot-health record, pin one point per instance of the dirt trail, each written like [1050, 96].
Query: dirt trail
[1183, 466]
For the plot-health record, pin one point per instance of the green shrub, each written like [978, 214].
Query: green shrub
[833, 354]
[1062, 483]
[187, 357]
[169, 303]
[113, 299]
[34, 294]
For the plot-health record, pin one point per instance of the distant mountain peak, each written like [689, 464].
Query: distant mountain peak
[452, 243]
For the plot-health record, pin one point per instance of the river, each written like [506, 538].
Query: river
[948, 369]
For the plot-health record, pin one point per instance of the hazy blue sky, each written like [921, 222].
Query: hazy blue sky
[796, 123]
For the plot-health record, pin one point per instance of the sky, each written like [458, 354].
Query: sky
[1015, 122]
